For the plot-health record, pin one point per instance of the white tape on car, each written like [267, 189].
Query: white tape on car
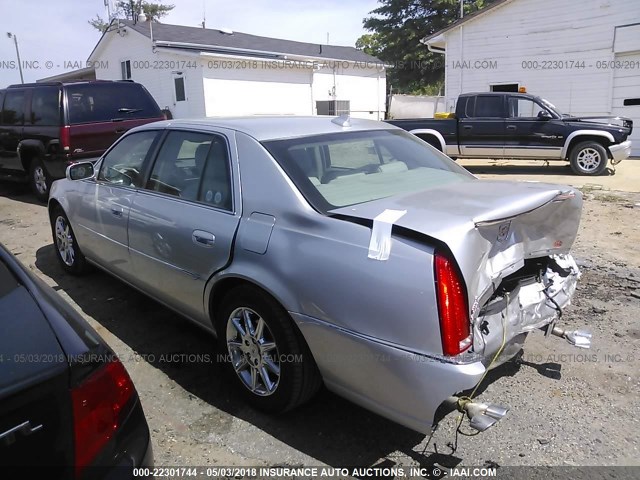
[380, 244]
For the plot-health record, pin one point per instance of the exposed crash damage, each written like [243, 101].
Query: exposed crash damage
[512, 251]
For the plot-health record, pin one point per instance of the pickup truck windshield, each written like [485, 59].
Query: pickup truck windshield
[340, 169]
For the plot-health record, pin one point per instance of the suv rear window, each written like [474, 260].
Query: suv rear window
[104, 102]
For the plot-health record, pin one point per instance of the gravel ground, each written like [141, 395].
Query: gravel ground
[568, 406]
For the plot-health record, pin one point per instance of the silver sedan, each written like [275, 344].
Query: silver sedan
[328, 250]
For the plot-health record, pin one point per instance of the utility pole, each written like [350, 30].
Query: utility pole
[15, 40]
[461, 8]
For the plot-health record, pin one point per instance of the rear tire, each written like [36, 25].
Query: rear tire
[588, 158]
[39, 180]
[265, 354]
[64, 241]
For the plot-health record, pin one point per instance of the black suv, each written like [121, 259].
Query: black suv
[44, 127]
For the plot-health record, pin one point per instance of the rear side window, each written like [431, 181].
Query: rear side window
[13, 108]
[487, 107]
[45, 106]
[193, 166]
[104, 102]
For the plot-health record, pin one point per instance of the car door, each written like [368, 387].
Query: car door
[481, 131]
[101, 213]
[182, 224]
[531, 130]
[11, 128]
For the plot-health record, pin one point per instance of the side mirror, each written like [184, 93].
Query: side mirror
[544, 115]
[79, 171]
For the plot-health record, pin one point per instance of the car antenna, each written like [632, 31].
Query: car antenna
[343, 120]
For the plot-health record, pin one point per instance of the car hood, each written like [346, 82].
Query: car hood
[490, 227]
[608, 123]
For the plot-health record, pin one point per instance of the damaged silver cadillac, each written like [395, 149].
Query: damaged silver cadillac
[336, 251]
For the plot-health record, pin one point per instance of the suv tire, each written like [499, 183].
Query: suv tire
[39, 180]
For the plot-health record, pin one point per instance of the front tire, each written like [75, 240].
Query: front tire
[265, 354]
[39, 180]
[588, 158]
[64, 241]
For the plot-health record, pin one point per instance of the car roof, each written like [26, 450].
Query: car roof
[264, 128]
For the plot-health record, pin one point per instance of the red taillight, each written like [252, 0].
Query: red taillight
[452, 307]
[65, 138]
[98, 405]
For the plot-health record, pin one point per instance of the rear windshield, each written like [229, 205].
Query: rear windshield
[340, 169]
[104, 102]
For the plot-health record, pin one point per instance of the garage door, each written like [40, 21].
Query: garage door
[265, 90]
[626, 93]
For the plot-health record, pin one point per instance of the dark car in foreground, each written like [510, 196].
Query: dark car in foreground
[68, 408]
[524, 126]
[46, 126]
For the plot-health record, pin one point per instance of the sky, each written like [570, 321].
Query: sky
[54, 36]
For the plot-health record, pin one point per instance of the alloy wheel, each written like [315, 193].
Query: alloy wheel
[64, 241]
[253, 351]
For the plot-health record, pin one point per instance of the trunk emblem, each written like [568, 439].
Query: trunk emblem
[503, 232]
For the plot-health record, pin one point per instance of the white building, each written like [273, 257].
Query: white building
[198, 72]
[583, 56]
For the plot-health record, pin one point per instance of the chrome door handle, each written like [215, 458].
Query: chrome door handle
[203, 239]
[117, 211]
[511, 127]
[467, 127]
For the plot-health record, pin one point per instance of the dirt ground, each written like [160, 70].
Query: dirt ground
[568, 406]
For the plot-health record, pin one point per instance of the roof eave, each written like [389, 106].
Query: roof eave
[262, 54]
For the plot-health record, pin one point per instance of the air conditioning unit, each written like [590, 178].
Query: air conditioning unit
[333, 107]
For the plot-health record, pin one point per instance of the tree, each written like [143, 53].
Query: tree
[398, 26]
[129, 8]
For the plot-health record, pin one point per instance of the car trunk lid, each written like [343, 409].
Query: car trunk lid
[490, 227]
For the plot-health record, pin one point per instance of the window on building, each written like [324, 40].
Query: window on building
[126, 69]
[629, 102]
[179, 87]
[505, 87]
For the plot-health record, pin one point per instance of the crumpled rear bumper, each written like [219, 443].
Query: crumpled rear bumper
[529, 306]
[621, 151]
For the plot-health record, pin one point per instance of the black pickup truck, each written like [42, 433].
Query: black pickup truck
[523, 126]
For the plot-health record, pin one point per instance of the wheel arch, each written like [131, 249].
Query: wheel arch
[217, 288]
[28, 150]
[603, 138]
[427, 134]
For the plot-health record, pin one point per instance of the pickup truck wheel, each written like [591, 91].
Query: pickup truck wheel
[65, 243]
[588, 158]
[39, 180]
[264, 353]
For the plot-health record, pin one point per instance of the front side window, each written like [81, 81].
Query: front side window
[122, 165]
[340, 169]
[524, 108]
[13, 109]
[193, 166]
